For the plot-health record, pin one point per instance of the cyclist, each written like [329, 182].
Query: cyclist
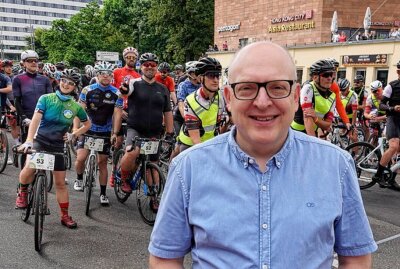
[204, 108]
[103, 105]
[371, 109]
[148, 105]
[163, 77]
[349, 101]
[51, 120]
[391, 104]
[127, 72]
[359, 89]
[317, 101]
[179, 72]
[87, 77]
[49, 70]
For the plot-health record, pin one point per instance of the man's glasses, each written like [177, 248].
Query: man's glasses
[149, 64]
[327, 75]
[276, 89]
[69, 82]
[212, 75]
[105, 73]
[357, 81]
[32, 60]
[130, 58]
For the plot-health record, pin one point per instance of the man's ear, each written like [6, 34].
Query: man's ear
[228, 95]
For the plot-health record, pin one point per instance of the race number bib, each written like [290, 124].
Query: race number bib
[41, 161]
[149, 147]
[96, 144]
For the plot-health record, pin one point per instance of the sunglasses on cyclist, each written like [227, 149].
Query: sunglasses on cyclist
[32, 60]
[69, 82]
[149, 64]
[212, 75]
[327, 75]
[105, 73]
[130, 57]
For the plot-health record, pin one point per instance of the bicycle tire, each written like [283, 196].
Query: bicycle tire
[88, 182]
[121, 196]
[4, 149]
[68, 158]
[40, 211]
[358, 151]
[144, 199]
[373, 140]
[71, 145]
[49, 182]
[27, 211]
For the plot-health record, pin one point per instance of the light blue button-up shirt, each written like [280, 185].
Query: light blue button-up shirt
[219, 205]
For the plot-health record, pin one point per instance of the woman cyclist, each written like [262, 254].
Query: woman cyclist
[52, 119]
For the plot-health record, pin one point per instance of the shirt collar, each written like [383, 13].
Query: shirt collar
[278, 158]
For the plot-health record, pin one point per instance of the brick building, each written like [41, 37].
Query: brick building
[298, 22]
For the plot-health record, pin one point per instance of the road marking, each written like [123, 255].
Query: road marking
[335, 263]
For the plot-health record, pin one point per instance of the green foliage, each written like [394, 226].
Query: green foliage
[176, 30]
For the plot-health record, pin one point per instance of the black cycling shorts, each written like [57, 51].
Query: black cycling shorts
[107, 142]
[392, 127]
[59, 161]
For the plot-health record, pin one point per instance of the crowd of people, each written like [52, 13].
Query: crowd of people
[235, 185]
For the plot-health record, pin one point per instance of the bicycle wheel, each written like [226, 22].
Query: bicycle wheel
[27, 211]
[40, 211]
[67, 157]
[146, 197]
[88, 181]
[366, 162]
[71, 145]
[3, 150]
[121, 196]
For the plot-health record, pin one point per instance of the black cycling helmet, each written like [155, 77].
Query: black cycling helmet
[334, 62]
[60, 66]
[321, 66]
[359, 78]
[207, 64]
[344, 84]
[164, 66]
[148, 57]
[71, 74]
[398, 65]
[179, 67]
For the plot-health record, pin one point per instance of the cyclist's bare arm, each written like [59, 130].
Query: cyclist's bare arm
[7, 89]
[159, 263]
[169, 122]
[355, 262]
[195, 136]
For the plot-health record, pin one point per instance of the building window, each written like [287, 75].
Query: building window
[382, 76]
[361, 72]
[341, 74]
[300, 75]
[243, 42]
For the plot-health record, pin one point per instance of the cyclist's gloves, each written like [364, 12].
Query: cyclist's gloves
[26, 122]
[69, 137]
[26, 146]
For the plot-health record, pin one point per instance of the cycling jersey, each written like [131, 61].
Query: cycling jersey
[100, 103]
[57, 117]
[121, 73]
[29, 87]
[4, 82]
[372, 106]
[391, 95]
[168, 82]
[147, 104]
[350, 103]
[186, 88]
[361, 93]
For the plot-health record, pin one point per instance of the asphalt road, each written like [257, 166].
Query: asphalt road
[116, 237]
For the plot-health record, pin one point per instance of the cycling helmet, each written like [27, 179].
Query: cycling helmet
[130, 50]
[6, 63]
[334, 62]
[207, 64]
[359, 78]
[60, 66]
[89, 71]
[71, 74]
[179, 67]
[29, 54]
[104, 66]
[321, 66]
[376, 85]
[16, 69]
[49, 70]
[191, 66]
[164, 66]
[40, 64]
[344, 84]
[398, 65]
[148, 57]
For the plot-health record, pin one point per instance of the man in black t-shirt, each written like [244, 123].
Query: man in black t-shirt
[149, 106]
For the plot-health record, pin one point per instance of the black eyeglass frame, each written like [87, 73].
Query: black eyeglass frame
[263, 84]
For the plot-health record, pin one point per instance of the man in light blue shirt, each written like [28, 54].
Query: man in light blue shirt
[262, 196]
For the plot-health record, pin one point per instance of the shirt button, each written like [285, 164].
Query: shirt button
[278, 163]
[265, 226]
[251, 161]
[264, 188]
[265, 266]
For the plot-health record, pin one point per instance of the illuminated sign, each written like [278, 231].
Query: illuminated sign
[291, 27]
[373, 59]
[229, 28]
[306, 15]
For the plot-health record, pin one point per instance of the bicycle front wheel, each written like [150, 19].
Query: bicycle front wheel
[3, 150]
[49, 181]
[88, 181]
[27, 211]
[366, 161]
[148, 197]
[40, 211]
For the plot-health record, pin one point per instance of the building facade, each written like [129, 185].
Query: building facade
[19, 18]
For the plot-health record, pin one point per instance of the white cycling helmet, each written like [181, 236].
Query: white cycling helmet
[29, 54]
[130, 50]
[376, 85]
[191, 66]
[103, 66]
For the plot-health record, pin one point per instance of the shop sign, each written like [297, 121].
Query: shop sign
[291, 27]
[381, 23]
[372, 59]
[229, 28]
[305, 15]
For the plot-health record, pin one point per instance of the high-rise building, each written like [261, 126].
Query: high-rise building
[19, 18]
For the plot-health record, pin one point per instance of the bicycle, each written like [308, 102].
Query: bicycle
[94, 144]
[146, 195]
[366, 158]
[42, 161]
[4, 145]
[337, 137]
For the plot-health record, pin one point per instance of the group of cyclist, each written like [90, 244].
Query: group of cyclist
[57, 104]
